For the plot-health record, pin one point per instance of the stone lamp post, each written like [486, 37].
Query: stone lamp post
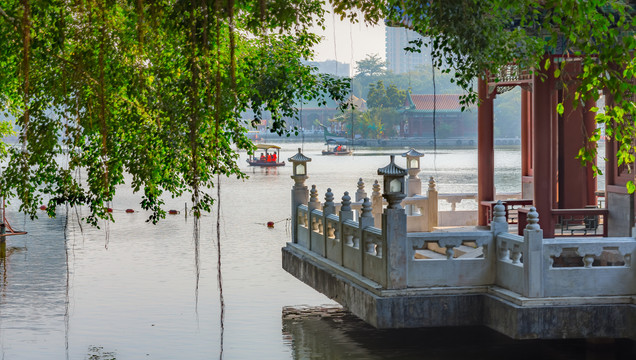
[393, 178]
[413, 167]
[300, 193]
[394, 225]
[299, 163]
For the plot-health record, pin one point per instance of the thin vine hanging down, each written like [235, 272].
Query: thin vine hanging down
[146, 93]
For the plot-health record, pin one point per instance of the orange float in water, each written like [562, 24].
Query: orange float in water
[130, 210]
[173, 212]
[110, 210]
[270, 224]
[43, 207]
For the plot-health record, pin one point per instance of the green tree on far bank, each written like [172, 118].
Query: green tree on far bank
[382, 118]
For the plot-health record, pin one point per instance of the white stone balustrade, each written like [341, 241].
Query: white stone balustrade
[394, 258]
[522, 264]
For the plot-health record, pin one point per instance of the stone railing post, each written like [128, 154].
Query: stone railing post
[328, 207]
[345, 209]
[313, 199]
[360, 193]
[313, 219]
[366, 216]
[533, 256]
[364, 221]
[345, 214]
[394, 231]
[376, 205]
[498, 224]
[432, 212]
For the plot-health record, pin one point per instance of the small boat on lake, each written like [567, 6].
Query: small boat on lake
[335, 147]
[266, 155]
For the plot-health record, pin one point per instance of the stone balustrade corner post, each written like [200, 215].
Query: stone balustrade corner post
[394, 231]
[533, 256]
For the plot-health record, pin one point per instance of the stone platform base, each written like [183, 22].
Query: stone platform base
[499, 309]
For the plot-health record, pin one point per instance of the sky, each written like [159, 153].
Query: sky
[366, 40]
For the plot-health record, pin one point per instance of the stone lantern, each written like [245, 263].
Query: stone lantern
[413, 167]
[300, 194]
[299, 168]
[393, 183]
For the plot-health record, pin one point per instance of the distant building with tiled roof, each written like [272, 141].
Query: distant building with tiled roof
[450, 120]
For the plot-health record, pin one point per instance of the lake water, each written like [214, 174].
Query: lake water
[129, 290]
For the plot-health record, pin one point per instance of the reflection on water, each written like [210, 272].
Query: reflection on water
[33, 286]
[347, 337]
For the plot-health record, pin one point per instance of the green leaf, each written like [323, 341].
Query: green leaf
[560, 108]
[631, 187]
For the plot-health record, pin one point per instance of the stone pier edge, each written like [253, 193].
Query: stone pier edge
[499, 309]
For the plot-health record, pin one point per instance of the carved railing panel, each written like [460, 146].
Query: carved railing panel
[589, 267]
[351, 253]
[510, 272]
[374, 260]
[434, 259]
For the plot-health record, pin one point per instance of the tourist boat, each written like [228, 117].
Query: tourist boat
[335, 147]
[266, 155]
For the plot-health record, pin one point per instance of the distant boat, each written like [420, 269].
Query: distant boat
[269, 157]
[335, 147]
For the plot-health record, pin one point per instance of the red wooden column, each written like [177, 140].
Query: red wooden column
[526, 144]
[542, 135]
[577, 185]
[525, 159]
[485, 149]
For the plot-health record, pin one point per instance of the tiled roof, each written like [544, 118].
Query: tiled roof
[299, 157]
[412, 152]
[392, 169]
[444, 102]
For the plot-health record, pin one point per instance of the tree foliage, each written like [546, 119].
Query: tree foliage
[389, 97]
[372, 65]
[153, 89]
[474, 38]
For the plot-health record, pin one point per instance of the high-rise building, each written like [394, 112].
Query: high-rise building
[399, 60]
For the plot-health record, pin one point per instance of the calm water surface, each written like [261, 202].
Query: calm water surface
[130, 290]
